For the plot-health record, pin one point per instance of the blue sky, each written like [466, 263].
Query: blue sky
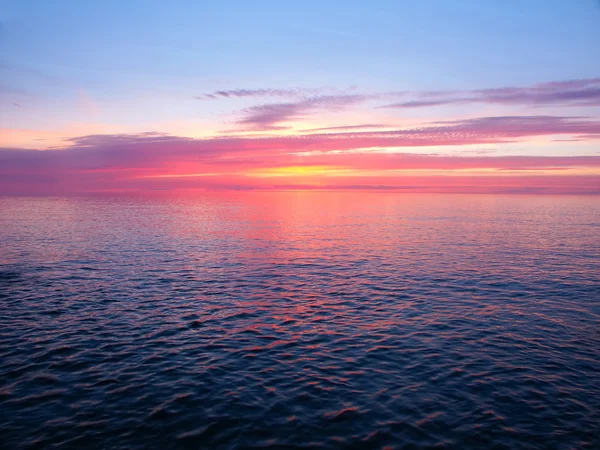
[128, 49]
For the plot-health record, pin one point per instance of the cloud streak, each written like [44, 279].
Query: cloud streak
[271, 116]
[348, 127]
[569, 93]
[584, 92]
[258, 93]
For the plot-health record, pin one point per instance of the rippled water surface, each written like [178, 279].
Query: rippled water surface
[300, 320]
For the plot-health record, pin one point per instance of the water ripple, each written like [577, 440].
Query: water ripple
[300, 320]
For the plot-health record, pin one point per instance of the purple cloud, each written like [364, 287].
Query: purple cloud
[561, 93]
[270, 116]
[424, 103]
[252, 93]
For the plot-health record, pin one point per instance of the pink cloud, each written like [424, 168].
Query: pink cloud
[104, 162]
[348, 127]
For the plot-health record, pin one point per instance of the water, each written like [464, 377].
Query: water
[300, 320]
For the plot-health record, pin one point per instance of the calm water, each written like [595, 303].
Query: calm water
[297, 320]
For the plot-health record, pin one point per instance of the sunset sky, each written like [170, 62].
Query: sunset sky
[440, 96]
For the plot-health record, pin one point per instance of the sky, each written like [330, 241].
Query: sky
[425, 96]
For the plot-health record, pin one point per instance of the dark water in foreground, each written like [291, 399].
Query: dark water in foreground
[297, 320]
